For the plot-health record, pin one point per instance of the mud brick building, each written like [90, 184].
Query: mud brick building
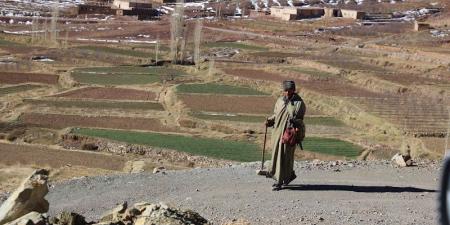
[140, 8]
[295, 13]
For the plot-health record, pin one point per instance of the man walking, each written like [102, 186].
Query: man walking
[289, 130]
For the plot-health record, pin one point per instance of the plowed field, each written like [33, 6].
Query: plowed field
[30, 155]
[232, 104]
[109, 93]
[17, 78]
[330, 87]
[59, 121]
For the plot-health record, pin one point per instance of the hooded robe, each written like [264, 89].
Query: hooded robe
[282, 154]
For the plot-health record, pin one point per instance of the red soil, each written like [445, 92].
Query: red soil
[18, 78]
[59, 121]
[109, 93]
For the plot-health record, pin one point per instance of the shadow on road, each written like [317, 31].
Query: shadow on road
[368, 189]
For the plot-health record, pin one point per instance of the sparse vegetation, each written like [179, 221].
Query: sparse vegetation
[239, 45]
[331, 146]
[310, 71]
[212, 88]
[123, 75]
[18, 88]
[116, 51]
[323, 121]
[229, 117]
[217, 148]
[98, 104]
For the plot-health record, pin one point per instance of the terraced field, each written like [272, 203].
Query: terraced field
[19, 78]
[229, 104]
[59, 121]
[109, 94]
[97, 104]
[116, 51]
[125, 75]
[217, 89]
[418, 116]
[217, 148]
[17, 88]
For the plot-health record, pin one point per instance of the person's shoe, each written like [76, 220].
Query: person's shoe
[277, 187]
[290, 179]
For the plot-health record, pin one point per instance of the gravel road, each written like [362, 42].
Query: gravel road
[324, 193]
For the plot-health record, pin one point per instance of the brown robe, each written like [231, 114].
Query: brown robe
[283, 155]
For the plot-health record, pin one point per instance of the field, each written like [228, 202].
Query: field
[217, 89]
[109, 94]
[229, 104]
[125, 75]
[117, 51]
[217, 148]
[97, 104]
[238, 45]
[314, 73]
[18, 78]
[229, 117]
[58, 121]
[331, 146]
[18, 88]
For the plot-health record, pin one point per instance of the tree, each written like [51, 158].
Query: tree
[197, 41]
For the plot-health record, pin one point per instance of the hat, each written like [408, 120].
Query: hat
[288, 85]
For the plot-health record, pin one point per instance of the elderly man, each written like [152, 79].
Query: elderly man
[289, 130]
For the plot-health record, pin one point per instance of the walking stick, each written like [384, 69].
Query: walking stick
[261, 171]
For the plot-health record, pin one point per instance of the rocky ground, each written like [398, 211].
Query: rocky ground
[336, 192]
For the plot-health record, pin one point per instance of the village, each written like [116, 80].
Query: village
[127, 92]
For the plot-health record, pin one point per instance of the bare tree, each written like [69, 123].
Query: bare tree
[197, 41]
[156, 50]
[54, 22]
[447, 150]
[176, 30]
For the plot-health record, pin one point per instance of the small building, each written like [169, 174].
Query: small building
[353, 14]
[140, 8]
[331, 12]
[419, 26]
[130, 4]
[295, 13]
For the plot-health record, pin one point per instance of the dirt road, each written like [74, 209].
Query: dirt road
[355, 193]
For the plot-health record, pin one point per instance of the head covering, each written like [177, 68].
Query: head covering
[288, 85]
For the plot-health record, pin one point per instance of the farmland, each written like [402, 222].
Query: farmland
[223, 149]
[374, 85]
[19, 78]
[18, 88]
[108, 94]
[97, 104]
[217, 89]
[232, 104]
[124, 75]
[59, 121]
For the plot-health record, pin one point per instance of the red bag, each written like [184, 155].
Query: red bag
[289, 137]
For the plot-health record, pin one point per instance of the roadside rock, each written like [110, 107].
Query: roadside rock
[402, 160]
[32, 218]
[115, 214]
[29, 197]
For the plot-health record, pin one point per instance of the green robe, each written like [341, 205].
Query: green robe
[283, 155]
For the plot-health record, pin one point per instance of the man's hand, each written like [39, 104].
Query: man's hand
[269, 123]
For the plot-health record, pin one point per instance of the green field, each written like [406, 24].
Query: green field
[310, 71]
[117, 51]
[323, 121]
[4, 42]
[123, 75]
[331, 146]
[211, 88]
[234, 117]
[238, 45]
[98, 104]
[19, 88]
[216, 148]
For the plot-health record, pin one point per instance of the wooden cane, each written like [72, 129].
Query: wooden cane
[264, 149]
